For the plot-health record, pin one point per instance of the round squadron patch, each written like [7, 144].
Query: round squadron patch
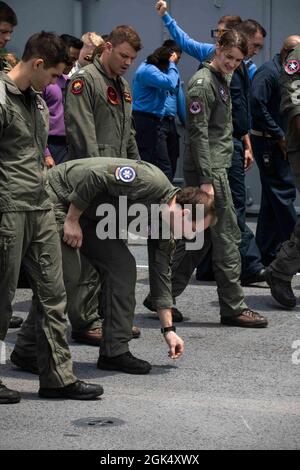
[126, 174]
[77, 87]
[195, 107]
[292, 67]
[224, 94]
[112, 96]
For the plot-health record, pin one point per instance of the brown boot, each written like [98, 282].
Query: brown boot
[247, 319]
[89, 337]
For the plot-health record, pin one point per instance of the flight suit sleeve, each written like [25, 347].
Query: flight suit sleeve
[200, 100]
[92, 183]
[79, 119]
[132, 148]
[159, 258]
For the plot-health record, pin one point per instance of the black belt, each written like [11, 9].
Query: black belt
[150, 115]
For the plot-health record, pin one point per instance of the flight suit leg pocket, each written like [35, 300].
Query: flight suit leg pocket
[227, 221]
[7, 240]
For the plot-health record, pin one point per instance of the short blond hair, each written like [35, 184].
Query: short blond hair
[92, 39]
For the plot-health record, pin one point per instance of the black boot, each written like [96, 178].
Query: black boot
[7, 396]
[76, 391]
[25, 363]
[15, 322]
[124, 363]
[281, 290]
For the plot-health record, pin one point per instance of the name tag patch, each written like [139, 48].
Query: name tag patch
[126, 174]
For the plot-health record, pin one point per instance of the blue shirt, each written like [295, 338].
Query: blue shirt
[266, 97]
[175, 103]
[150, 87]
[199, 50]
[251, 68]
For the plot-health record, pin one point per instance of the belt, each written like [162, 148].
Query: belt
[150, 115]
[261, 134]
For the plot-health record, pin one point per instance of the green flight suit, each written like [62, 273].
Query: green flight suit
[28, 232]
[208, 156]
[287, 262]
[87, 183]
[98, 116]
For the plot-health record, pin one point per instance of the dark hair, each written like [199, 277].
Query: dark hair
[125, 33]
[234, 38]
[7, 14]
[71, 41]
[195, 197]
[230, 21]
[46, 46]
[251, 27]
[160, 58]
[172, 45]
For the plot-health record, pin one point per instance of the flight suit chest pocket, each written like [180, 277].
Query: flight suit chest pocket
[7, 241]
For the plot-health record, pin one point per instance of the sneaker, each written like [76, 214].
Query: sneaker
[177, 316]
[247, 319]
[124, 363]
[281, 290]
[25, 363]
[7, 396]
[76, 391]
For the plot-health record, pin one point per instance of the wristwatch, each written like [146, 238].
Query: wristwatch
[167, 329]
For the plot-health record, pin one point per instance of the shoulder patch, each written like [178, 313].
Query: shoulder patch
[200, 81]
[195, 107]
[292, 66]
[126, 174]
[77, 86]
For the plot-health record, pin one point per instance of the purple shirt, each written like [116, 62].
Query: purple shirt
[54, 97]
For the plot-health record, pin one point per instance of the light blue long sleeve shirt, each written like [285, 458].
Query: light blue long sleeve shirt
[175, 104]
[150, 88]
[199, 50]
